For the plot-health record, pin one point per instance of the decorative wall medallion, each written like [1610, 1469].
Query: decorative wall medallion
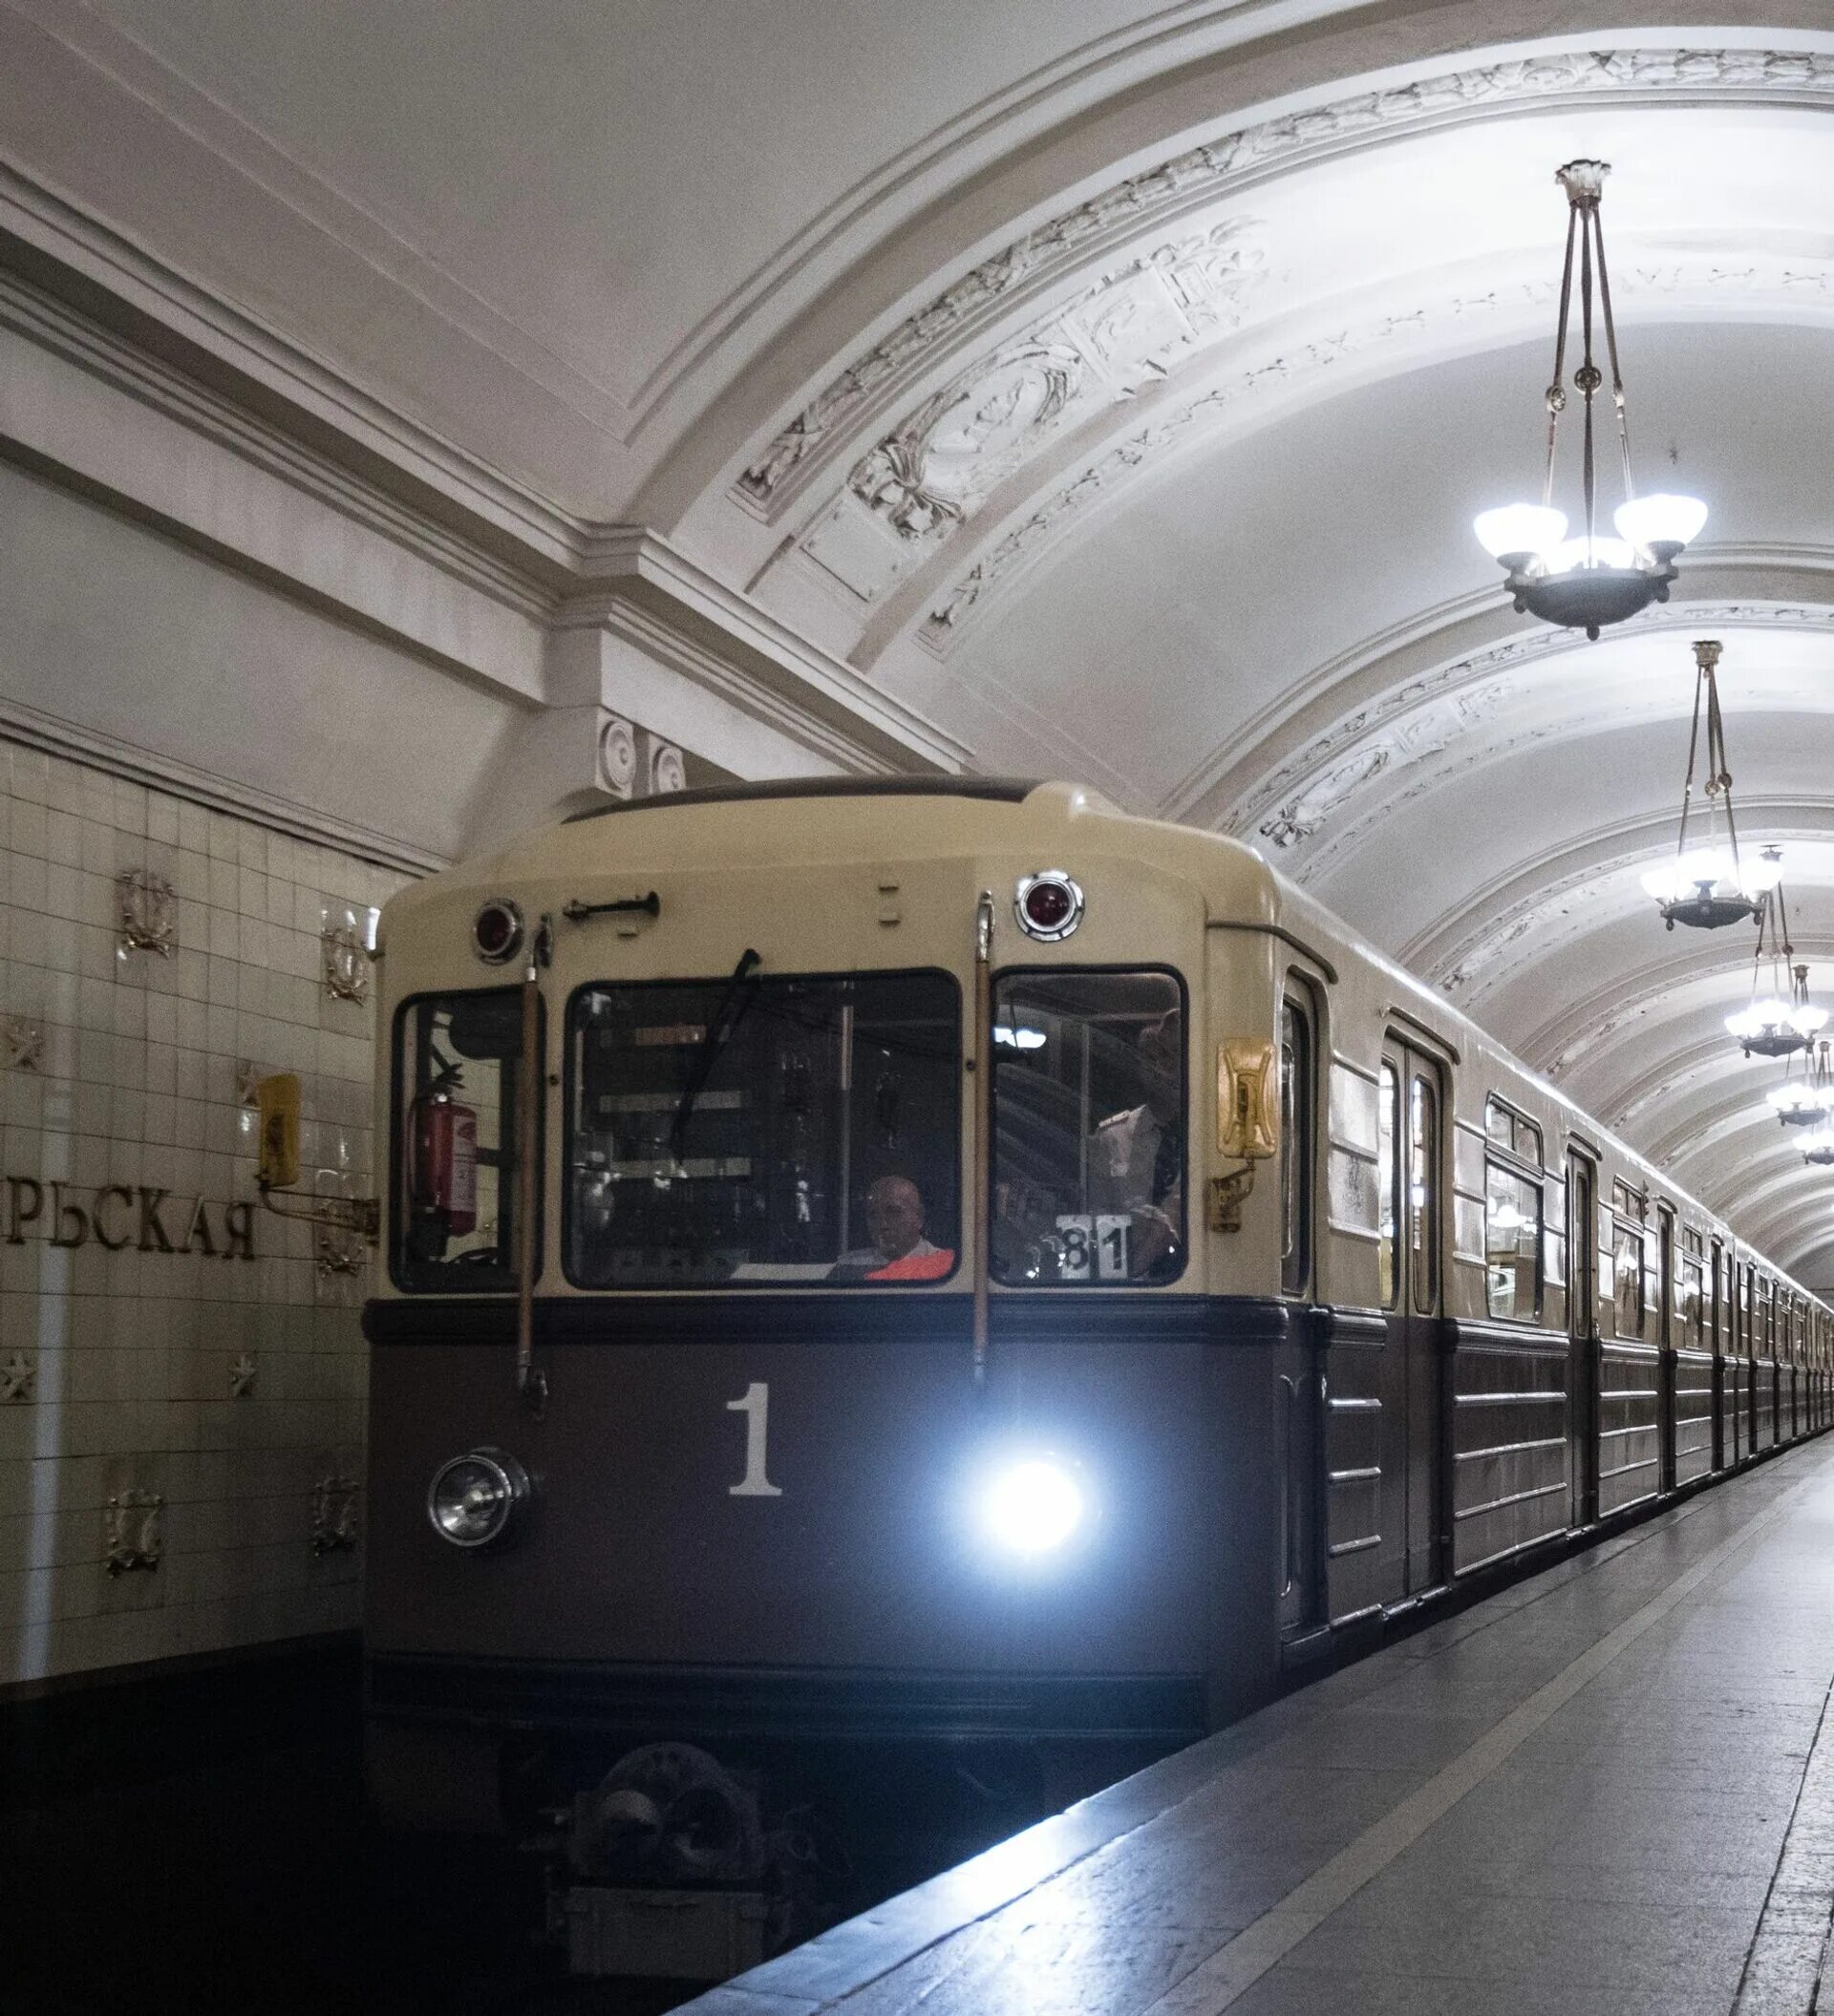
[334, 1515]
[144, 902]
[344, 959]
[241, 1377]
[665, 771]
[17, 1377]
[22, 1043]
[1205, 174]
[617, 757]
[134, 1531]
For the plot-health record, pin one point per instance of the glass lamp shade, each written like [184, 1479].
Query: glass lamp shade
[1799, 1105]
[1701, 867]
[1573, 554]
[1518, 529]
[1768, 1027]
[1660, 523]
[1806, 1019]
[1764, 873]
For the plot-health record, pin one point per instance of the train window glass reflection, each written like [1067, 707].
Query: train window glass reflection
[1296, 1096]
[455, 1188]
[1089, 1133]
[1627, 1253]
[763, 1131]
[1422, 1214]
[1512, 1243]
[1691, 1307]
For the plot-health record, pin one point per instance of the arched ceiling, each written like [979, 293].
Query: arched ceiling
[1113, 385]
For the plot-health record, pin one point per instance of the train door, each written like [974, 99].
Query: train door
[1412, 1116]
[1582, 1329]
[1666, 1342]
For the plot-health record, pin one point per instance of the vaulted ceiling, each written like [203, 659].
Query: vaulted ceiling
[1111, 385]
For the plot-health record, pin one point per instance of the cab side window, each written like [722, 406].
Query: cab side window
[1298, 1095]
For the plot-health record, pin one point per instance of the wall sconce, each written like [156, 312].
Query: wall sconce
[144, 902]
[134, 1531]
[277, 1169]
[344, 956]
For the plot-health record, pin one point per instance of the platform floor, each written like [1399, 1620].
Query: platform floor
[1610, 1789]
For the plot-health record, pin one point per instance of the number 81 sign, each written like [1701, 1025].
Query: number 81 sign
[1094, 1247]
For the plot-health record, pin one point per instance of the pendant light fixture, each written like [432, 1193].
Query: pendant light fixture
[1783, 1019]
[1801, 1100]
[1587, 582]
[1819, 1147]
[1709, 886]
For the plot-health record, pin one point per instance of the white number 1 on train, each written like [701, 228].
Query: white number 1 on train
[756, 1407]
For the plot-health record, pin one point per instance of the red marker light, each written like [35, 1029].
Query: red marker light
[497, 931]
[1048, 905]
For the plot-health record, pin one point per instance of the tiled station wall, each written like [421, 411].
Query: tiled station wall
[197, 1407]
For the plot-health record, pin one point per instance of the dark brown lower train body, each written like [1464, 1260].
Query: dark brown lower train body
[1262, 1481]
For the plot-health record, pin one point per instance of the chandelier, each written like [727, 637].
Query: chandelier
[1800, 1102]
[1819, 1147]
[1587, 582]
[1708, 886]
[1783, 1019]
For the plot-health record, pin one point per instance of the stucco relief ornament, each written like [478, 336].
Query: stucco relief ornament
[957, 445]
[345, 961]
[334, 1527]
[17, 1377]
[134, 1531]
[1202, 174]
[143, 903]
[22, 1043]
[241, 1377]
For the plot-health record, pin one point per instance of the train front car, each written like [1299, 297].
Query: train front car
[799, 1491]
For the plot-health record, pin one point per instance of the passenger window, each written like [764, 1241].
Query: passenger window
[1387, 1170]
[1089, 1129]
[456, 1190]
[1627, 1253]
[1423, 1137]
[1297, 1094]
[1691, 1307]
[1512, 1243]
[764, 1130]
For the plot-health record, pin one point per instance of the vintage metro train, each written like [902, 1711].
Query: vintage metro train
[948, 1268]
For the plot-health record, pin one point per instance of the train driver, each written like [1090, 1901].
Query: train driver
[1137, 1156]
[899, 1250]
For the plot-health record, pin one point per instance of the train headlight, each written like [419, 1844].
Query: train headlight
[1032, 1505]
[473, 1499]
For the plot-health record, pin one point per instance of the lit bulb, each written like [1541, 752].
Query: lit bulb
[1806, 1019]
[1662, 520]
[1518, 529]
[1576, 553]
[1672, 880]
[1766, 1013]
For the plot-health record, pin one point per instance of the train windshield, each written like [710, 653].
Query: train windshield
[762, 1132]
[1089, 1136]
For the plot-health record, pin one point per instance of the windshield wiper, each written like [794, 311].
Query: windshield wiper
[726, 1018]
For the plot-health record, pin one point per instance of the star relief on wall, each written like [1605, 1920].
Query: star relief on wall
[241, 1377]
[17, 1375]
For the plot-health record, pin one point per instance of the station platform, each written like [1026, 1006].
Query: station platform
[1608, 1789]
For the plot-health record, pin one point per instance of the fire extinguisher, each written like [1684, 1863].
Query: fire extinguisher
[445, 1161]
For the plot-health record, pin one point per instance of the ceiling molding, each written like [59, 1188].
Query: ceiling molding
[20, 723]
[1158, 197]
[1578, 886]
